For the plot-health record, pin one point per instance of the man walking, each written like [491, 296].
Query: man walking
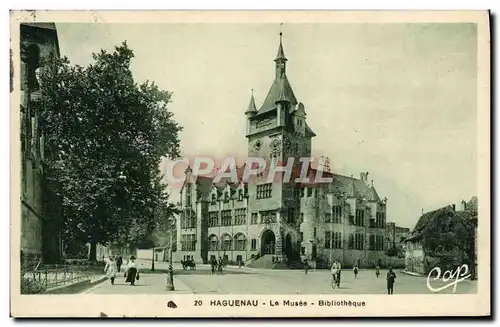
[391, 276]
[119, 262]
[335, 271]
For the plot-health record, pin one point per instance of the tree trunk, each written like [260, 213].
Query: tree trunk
[93, 252]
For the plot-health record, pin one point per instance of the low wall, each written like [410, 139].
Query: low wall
[76, 287]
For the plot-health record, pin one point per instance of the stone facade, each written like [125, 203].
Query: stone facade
[238, 220]
[38, 226]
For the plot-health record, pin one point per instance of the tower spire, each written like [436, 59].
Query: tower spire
[281, 53]
[251, 105]
[280, 59]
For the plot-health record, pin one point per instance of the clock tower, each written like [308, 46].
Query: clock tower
[277, 132]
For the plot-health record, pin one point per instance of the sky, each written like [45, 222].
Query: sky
[396, 100]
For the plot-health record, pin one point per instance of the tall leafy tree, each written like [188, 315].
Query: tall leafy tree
[105, 135]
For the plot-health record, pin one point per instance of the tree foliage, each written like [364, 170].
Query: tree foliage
[105, 135]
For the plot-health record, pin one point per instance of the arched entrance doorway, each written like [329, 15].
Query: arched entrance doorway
[291, 251]
[268, 242]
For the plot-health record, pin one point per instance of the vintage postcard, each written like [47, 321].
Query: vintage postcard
[250, 164]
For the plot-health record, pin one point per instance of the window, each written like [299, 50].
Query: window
[301, 192]
[188, 242]
[213, 219]
[301, 236]
[360, 217]
[309, 192]
[380, 219]
[314, 232]
[359, 241]
[301, 217]
[240, 242]
[351, 241]
[213, 243]
[371, 243]
[337, 240]
[226, 242]
[240, 217]
[254, 244]
[226, 196]
[327, 239]
[379, 243]
[337, 214]
[240, 195]
[226, 217]
[328, 217]
[291, 216]
[254, 218]
[214, 198]
[267, 217]
[264, 191]
[188, 220]
[303, 250]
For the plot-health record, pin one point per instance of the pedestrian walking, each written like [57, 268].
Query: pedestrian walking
[119, 262]
[391, 280]
[110, 269]
[377, 271]
[132, 271]
[335, 271]
[306, 266]
[355, 270]
[221, 265]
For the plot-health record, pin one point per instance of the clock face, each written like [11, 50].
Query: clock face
[257, 145]
[275, 147]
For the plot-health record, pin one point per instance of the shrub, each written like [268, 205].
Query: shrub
[31, 286]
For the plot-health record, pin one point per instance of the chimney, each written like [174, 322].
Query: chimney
[464, 205]
[453, 206]
[364, 177]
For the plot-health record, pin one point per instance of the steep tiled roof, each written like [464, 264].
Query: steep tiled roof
[251, 105]
[426, 219]
[373, 194]
[280, 87]
[309, 130]
[204, 185]
[350, 186]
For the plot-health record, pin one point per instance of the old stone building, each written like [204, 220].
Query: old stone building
[265, 224]
[39, 236]
[444, 238]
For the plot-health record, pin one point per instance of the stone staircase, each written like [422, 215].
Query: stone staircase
[264, 262]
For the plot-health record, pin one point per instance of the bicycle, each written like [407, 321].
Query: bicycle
[335, 278]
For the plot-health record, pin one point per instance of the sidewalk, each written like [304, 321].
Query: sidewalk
[147, 284]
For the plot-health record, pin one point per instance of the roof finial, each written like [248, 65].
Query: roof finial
[281, 31]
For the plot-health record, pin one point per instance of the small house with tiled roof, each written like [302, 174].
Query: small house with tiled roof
[444, 238]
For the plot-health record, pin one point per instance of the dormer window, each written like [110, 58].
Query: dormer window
[213, 198]
[240, 195]
[226, 196]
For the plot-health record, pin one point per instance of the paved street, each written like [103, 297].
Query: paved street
[251, 281]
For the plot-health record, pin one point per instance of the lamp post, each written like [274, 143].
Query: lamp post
[153, 260]
[170, 276]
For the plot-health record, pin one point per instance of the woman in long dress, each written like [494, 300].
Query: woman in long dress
[132, 271]
[110, 269]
